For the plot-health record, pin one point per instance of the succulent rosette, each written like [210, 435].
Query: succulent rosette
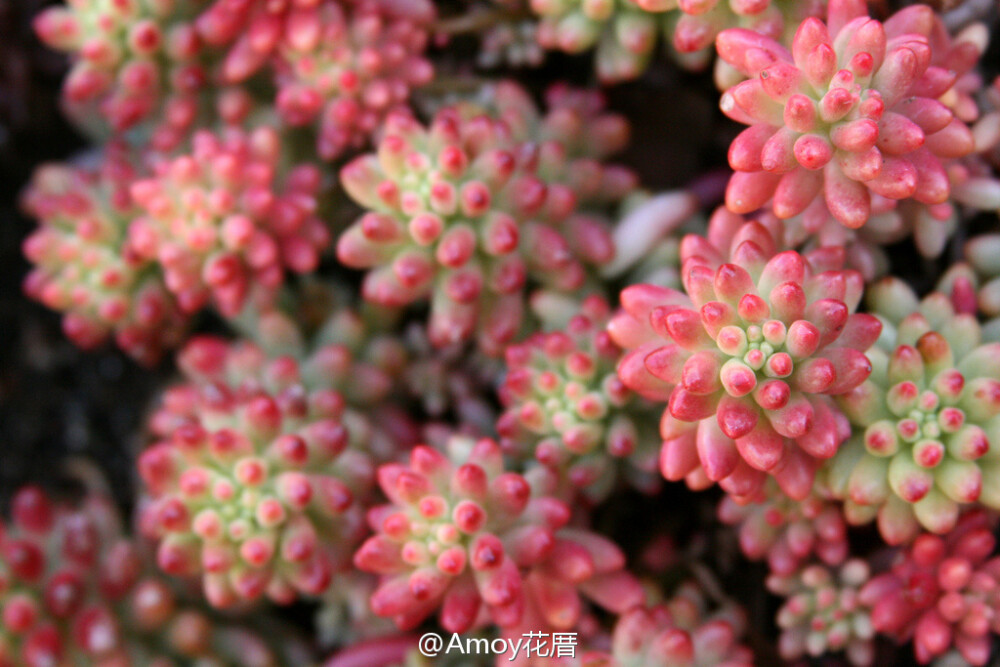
[76, 591]
[566, 406]
[257, 481]
[825, 612]
[453, 535]
[747, 359]
[942, 592]
[131, 60]
[926, 419]
[849, 114]
[84, 266]
[785, 532]
[344, 67]
[462, 536]
[681, 632]
[225, 223]
[460, 213]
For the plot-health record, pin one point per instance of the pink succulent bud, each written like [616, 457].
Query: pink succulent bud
[751, 353]
[255, 482]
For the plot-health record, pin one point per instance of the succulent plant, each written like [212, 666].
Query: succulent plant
[926, 419]
[824, 612]
[566, 407]
[454, 535]
[850, 113]
[785, 532]
[224, 223]
[463, 536]
[942, 593]
[131, 60]
[462, 213]
[344, 68]
[747, 359]
[257, 482]
[76, 591]
[679, 633]
[84, 265]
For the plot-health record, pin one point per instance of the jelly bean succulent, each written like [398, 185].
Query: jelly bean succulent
[680, 632]
[345, 69]
[566, 406]
[786, 532]
[824, 612]
[747, 359]
[257, 482]
[461, 214]
[131, 60]
[850, 113]
[942, 592]
[84, 265]
[225, 224]
[455, 536]
[77, 591]
[926, 419]
[429, 348]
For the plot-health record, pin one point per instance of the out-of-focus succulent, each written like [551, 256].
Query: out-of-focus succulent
[565, 405]
[76, 591]
[942, 592]
[786, 532]
[625, 32]
[84, 265]
[131, 60]
[254, 32]
[467, 215]
[849, 114]
[463, 536]
[747, 358]
[257, 482]
[225, 222]
[344, 68]
[679, 633]
[927, 418]
[825, 613]
[983, 254]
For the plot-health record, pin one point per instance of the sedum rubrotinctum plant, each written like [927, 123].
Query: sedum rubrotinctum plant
[434, 350]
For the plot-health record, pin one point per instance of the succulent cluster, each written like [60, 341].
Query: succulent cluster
[942, 592]
[825, 613]
[258, 479]
[76, 591]
[464, 537]
[438, 353]
[466, 213]
[565, 404]
[84, 266]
